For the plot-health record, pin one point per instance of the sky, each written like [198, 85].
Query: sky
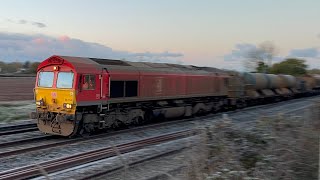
[215, 33]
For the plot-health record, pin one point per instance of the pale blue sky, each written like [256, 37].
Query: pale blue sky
[203, 31]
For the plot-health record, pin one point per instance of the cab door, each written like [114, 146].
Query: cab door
[104, 84]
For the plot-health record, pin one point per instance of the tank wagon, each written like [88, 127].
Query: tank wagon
[308, 83]
[268, 86]
[246, 89]
[76, 95]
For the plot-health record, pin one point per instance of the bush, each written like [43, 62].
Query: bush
[277, 147]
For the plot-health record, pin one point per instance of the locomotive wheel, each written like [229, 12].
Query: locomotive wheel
[118, 125]
[82, 132]
[137, 120]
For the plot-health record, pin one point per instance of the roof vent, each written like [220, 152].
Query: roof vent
[110, 62]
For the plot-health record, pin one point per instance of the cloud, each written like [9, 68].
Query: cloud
[38, 47]
[163, 54]
[308, 52]
[240, 52]
[38, 24]
[23, 21]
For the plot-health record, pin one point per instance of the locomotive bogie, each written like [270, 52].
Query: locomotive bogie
[58, 124]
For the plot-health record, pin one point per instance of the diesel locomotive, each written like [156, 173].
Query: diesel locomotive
[76, 95]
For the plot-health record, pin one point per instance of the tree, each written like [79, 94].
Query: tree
[33, 67]
[26, 65]
[260, 59]
[2, 66]
[262, 67]
[13, 67]
[314, 71]
[290, 66]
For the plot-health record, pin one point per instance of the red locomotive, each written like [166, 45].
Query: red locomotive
[77, 95]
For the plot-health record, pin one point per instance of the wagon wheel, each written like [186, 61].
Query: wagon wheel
[148, 116]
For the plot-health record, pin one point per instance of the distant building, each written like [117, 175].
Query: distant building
[21, 70]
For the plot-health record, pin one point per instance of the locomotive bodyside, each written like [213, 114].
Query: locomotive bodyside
[76, 95]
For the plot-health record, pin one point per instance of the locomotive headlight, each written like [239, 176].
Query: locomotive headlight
[68, 106]
[40, 103]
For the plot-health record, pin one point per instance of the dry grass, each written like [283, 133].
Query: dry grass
[282, 147]
[16, 110]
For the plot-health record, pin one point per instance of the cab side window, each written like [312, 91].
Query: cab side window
[88, 82]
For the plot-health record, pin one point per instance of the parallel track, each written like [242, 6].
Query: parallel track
[15, 129]
[63, 141]
[83, 158]
[17, 75]
[24, 141]
[116, 168]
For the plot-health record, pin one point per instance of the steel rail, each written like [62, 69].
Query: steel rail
[86, 157]
[25, 141]
[15, 129]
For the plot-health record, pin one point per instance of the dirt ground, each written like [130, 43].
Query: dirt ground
[16, 88]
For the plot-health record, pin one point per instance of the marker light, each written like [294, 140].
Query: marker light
[55, 68]
[68, 106]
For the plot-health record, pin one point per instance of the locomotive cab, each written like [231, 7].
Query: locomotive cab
[59, 89]
[55, 99]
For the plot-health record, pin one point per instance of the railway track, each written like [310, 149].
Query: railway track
[15, 129]
[17, 75]
[22, 142]
[297, 105]
[98, 174]
[83, 158]
[103, 173]
[17, 147]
